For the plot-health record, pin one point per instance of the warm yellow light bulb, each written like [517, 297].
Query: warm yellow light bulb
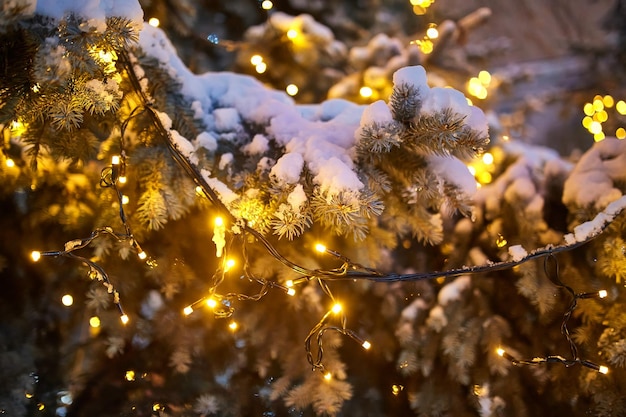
[500, 352]
[602, 293]
[122, 180]
[289, 283]
[603, 369]
[124, 318]
[130, 375]
[67, 300]
[366, 345]
[488, 158]
[595, 127]
[9, 162]
[125, 199]
[620, 133]
[319, 247]
[142, 255]
[219, 221]
[229, 264]
[35, 255]
[211, 303]
[598, 136]
[608, 101]
[291, 292]
[154, 22]
[484, 77]
[261, 67]
[292, 34]
[337, 308]
[432, 32]
[588, 109]
[187, 310]
[366, 92]
[94, 322]
[292, 89]
[115, 160]
[256, 59]
[621, 107]
[328, 376]
[267, 5]
[233, 326]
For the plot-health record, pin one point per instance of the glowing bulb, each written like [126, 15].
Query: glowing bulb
[233, 325]
[124, 318]
[484, 77]
[587, 120]
[588, 109]
[187, 310]
[10, 163]
[94, 322]
[211, 303]
[41, 406]
[501, 241]
[125, 199]
[366, 92]
[500, 352]
[602, 293]
[256, 59]
[432, 32]
[261, 67]
[122, 180]
[154, 22]
[219, 221]
[130, 375]
[115, 160]
[603, 369]
[291, 292]
[366, 345]
[608, 101]
[621, 107]
[620, 133]
[598, 136]
[67, 300]
[487, 158]
[28, 395]
[328, 376]
[267, 5]
[35, 255]
[142, 255]
[292, 34]
[319, 247]
[289, 283]
[426, 46]
[292, 89]
[229, 264]
[336, 308]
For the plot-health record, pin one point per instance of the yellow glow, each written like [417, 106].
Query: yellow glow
[484, 177]
[488, 158]
[506, 138]
[124, 318]
[187, 310]
[603, 370]
[366, 345]
[598, 105]
[598, 136]
[366, 92]
[211, 303]
[426, 46]
[289, 283]
[621, 107]
[588, 109]
[602, 293]
[142, 255]
[122, 180]
[9, 163]
[292, 89]
[337, 308]
[157, 407]
[233, 326]
[130, 375]
[608, 101]
[484, 77]
[500, 352]
[328, 376]
[41, 406]
[587, 122]
[292, 33]
[432, 32]
[229, 264]
[602, 116]
[219, 221]
[261, 67]
[125, 199]
[67, 300]
[267, 5]
[94, 322]
[35, 255]
[620, 133]
[501, 241]
[256, 59]
[319, 247]
[291, 292]
[36, 88]
[29, 395]
[115, 160]
[154, 22]
[595, 127]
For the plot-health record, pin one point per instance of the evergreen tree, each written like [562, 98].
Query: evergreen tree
[191, 245]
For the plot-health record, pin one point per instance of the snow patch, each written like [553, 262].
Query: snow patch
[453, 290]
[517, 253]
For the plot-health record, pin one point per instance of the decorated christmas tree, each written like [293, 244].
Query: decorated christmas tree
[340, 231]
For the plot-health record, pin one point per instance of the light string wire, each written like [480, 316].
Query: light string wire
[551, 269]
[348, 270]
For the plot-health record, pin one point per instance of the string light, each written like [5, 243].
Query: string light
[256, 59]
[366, 92]
[187, 310]
[35, 255]
[328, 376]
[337, 308]
[319, 247]
[124, 319]
[267, 5]
[67, 300]
[292, 34]
[130, 375]
[292, 89]
[233, 325]
[94, 322]
[154, 22]
[9, 162]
